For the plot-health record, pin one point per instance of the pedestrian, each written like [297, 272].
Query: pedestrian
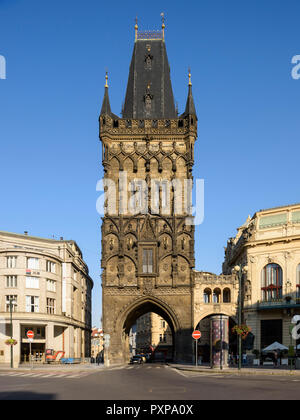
[275, 358]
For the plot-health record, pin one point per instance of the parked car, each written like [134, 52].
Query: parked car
[136, 360]
[143, 356]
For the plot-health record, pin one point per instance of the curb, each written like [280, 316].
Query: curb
[241, 373]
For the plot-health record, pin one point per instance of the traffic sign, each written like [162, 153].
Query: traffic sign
[30, 335]
[196, 335]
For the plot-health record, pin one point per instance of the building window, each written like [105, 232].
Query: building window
[271, 283]
[226, 296]
[11, 281]
[33, 263]
[51, 285]
[298, 284]
[271, 331]
[217, 296]
[163, 324]
[50, 306]
[207, 296]
[14, 300]
[50, 267]
[147, 261]
[32, 283]
[32, 304]
[11, 262]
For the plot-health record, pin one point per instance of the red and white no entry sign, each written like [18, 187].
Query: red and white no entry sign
[30, 335]
[196, 335]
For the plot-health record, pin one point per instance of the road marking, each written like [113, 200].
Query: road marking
[179, 372]
[28, 374]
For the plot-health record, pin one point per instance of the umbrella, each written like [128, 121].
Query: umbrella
[275, 346]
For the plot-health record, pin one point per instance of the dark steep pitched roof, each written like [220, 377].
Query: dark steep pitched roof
[149, 90]
[105, 110]
[190, 108]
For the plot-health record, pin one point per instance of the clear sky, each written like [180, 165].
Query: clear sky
[248, 107]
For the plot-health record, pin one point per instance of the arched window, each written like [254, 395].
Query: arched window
[298, 283]
[271, 283]
[226, 295]
[217, 296]
[207, 296]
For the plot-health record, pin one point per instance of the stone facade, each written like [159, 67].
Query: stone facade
[269, 244]
[157, 148]
[51, 287]
[152, 331]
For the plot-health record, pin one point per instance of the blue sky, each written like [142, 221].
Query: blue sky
[248, 107]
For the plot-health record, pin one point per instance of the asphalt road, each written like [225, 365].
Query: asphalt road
[146, 382]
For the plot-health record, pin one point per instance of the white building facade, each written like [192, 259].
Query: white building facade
[44, 287]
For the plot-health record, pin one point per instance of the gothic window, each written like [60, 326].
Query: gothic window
[148, 103]
[226, 296]
[147, 261]
[207, 296]
[271, 283]
[217, 296]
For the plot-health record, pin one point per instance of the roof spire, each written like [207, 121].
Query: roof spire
[163, 25]
[190, 108]
[136, 28]
[106, 110]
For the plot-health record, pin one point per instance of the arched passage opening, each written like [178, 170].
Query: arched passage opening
[149, 329]
[204, 344]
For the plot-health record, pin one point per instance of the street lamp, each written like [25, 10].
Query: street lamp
[240, 271]
[12, 302]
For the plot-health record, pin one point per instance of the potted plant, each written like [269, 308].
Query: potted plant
[241, 330]
[11, 342]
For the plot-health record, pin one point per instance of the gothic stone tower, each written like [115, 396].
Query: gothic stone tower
[147, 257]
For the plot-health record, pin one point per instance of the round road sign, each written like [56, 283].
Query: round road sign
[196, 335]
[30, 335]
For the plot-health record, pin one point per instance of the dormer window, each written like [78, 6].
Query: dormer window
[148, 62]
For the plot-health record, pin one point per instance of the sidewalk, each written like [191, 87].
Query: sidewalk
[263, 370]
[39, 366]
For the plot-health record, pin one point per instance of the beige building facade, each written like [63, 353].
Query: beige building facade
[46, 285]
[152, 331]
[269, 244]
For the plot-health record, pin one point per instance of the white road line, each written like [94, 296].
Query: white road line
[179, 372]
[15, 374]
[27, 375]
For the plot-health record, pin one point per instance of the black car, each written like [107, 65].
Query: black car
[136, 360]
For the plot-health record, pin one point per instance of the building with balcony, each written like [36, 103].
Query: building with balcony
[269, 244]
[46, 285]
[97, 344]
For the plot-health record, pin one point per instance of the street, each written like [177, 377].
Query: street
[142, 382]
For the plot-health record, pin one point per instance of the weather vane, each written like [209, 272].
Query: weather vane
[163, 24]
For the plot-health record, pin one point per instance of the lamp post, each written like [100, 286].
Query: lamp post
[240, 271]
[12, 302]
